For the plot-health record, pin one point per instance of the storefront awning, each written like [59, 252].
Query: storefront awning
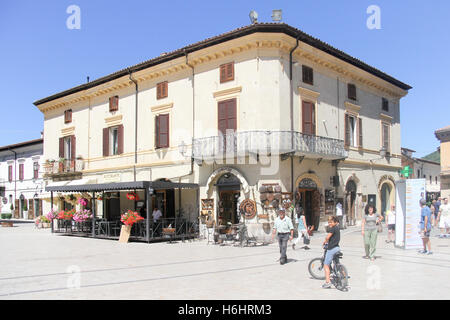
[114, 186]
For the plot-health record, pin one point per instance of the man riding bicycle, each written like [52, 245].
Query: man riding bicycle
[332, 243]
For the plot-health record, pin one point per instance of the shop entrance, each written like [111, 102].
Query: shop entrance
[385, 198]
[229, 189]
[350, 198]
[309, 200]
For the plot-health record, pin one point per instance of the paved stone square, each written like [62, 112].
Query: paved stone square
[36, 264]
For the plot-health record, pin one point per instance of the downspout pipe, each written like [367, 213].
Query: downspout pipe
[292, 110]
[135, 122]
[15, 174]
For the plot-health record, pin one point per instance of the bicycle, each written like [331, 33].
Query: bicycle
[338, 272]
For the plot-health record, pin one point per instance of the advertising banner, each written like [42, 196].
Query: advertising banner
[409, 192]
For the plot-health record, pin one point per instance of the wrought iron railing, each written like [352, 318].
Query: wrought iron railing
[63, 166]
[267, 142]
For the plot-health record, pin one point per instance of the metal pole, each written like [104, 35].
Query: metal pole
[147, 222]
[93, 215]
[51, 205]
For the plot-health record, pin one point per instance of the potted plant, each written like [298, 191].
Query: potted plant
[128, 219]
[45, 222]
[25, 209]
[61, 164]
[6, 223]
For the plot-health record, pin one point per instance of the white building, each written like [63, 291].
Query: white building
[21, 183]
[262, 113]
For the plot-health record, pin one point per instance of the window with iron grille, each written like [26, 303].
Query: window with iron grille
[307, 75]
[351, 88]
[384, 104]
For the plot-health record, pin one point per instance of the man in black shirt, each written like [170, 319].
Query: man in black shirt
[332, 239]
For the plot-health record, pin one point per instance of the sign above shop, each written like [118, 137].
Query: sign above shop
[111, 177]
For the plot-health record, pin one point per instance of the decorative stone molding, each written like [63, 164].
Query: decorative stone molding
[227, 92]
[352, 108]
[163, 108]
[218, 172]
[385, 118]
[308, 95]
[113, 121]
[68, 131]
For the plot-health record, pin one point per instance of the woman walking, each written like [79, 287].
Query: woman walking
[369, 231]
[302, 229]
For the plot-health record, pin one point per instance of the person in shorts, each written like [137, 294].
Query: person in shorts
[332, 242]
[444, 218]
[390, 223]
[425, 227]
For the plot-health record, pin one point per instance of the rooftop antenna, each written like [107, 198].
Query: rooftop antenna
[253, 16]
[88, 79]
[276, 15]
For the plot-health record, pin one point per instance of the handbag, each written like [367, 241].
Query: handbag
[379, 227]
[306, 240]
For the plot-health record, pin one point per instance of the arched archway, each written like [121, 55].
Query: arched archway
[386, 191]
[308, 196]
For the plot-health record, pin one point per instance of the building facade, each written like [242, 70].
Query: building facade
[21, 184]
[256, 116]
[443, 135]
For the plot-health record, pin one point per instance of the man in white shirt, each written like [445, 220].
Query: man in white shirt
[156, 214]
[444, 218]
[285, 229]
[390, 223]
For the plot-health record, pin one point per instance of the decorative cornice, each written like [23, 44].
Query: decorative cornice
[114, 120]
[385, 117]
[307, 94]
[162, 108]
[352, 107]
[227, 92]
[68, 131]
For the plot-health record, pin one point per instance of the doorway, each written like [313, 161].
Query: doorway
[309, 200]
[350, 197]
[229, 189]
[385, 198]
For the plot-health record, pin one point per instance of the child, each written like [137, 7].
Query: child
[332, 240]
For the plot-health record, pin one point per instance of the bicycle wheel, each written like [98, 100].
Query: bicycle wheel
[341, 278]
[315, 268]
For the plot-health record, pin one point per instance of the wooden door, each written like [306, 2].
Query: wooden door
[308, 118]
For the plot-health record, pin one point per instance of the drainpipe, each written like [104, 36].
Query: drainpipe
[135, 123]
[15, 180]
[292, 111]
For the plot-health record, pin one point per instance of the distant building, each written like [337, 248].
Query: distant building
[21, 185]
[443, 135]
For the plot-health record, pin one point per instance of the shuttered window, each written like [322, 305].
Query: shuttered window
[162, 90]
[351, 88]
[385, 136]
[9, 173]
[307, 75]
[227, 72]
[68, 116]
[114, 103]
[113, 141]
[21, 173]
[308, 118]
[353, 131]
[35, 170]
[162, 131]
[385, 104]
[360, 135]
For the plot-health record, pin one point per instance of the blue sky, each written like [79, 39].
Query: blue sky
[41, 56]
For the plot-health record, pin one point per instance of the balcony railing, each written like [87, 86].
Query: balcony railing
[242, 143]
[63, 166]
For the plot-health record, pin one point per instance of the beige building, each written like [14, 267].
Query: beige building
[254, 116]
[443, 135]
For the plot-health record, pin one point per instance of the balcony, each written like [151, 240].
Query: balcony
[66, 169]
[240, 144]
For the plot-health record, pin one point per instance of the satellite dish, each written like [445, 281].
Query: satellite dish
[276, 15]
[253, 16]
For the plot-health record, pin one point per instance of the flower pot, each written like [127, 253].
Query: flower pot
[125, 232]
[46, 225]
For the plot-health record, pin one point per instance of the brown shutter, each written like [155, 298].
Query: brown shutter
[10, 173]
[163, 130]
[347, 131]
[105, 142]
[308, 118]
[120, 139]
[73, 146]
[21, 171]
[40, 207]
[360, 135]
[114, 103]
[16, 209]
[157, 132]
[61, 147]
[230, 71]
[165, 89]
[31, 209]
[223, 73]
[227, 72]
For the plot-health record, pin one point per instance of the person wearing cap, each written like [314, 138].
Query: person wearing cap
[425, 227]
[284, 228]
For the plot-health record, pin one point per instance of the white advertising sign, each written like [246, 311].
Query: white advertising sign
[409, 193]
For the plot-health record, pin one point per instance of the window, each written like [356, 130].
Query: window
[35, 170]
[68, 116]
[10, 173]
[162, 90]
[162, 131]
[113, 103]
[227, 72]
[353, 131]
[351, 91]
[308, 118]
[21, 167]
[385, 136]
[307, 75]
[113, 140]
[385, 104]
[418, 173]
[67, 147]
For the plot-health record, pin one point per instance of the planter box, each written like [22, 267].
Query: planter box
[7, 224]
[125, 232]
[168, 230]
